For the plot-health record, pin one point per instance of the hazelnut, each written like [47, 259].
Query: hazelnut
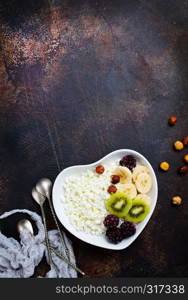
[172, 120]
[183, 170]
[112, 189]
[100, 169]
[176, 200]
[178, 145]
[185, 141]
[115, 179]
[186, 158]
[164, 166]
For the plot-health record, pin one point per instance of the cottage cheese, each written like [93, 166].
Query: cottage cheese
[84, 198]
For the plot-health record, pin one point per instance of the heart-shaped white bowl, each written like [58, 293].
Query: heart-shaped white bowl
[101, 241]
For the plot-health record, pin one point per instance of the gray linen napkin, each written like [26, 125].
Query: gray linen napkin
[18, 260]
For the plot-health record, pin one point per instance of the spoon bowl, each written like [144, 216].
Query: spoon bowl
[38, 197]
[44, 187]
[25, 224]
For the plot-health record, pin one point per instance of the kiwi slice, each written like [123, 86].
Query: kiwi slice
[139, 210]
[119, 204]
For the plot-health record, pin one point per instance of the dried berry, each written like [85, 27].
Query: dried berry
[164, 166]
[185, 141]
[128, 229]
[111, 221]
[128, 161]
[114, 235]
[183, 170]
[100, 169]
[186, 158]
[177, 200]
[178, 145]
[172, 120]
[112, 189]
[115, 179]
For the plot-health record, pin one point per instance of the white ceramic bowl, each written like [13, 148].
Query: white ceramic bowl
[101, 241]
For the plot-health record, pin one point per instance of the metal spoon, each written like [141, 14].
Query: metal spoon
[40, 199]
[44, 187]
[26, 224]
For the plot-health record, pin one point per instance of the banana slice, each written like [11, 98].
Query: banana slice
[143, 183]
[144, 197]
[138, 170]
[124, 173]
[128, 189]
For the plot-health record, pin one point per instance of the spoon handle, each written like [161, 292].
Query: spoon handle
[66, 260]
[59, 230]
[46, 236]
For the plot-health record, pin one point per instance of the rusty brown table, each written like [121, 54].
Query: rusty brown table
[80, 79]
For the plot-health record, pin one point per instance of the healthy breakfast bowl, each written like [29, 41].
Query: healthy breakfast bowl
[109, 202]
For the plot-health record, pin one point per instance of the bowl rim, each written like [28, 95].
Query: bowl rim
[128, 152]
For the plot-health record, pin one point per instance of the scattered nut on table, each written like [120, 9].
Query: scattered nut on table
[186, 158]
[183, 170]
[164, 166]
[178, 145]
[185, 141]
[176, 200]
[172, 120]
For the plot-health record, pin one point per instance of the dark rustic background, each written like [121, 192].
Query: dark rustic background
[80, 79]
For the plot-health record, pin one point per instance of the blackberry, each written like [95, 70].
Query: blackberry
[128, 161]
[111, 221]
[114, 235]
[127, 229]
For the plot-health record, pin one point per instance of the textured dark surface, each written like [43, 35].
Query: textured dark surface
[80, 79]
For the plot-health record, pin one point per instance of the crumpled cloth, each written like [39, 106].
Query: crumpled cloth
[18, 260]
